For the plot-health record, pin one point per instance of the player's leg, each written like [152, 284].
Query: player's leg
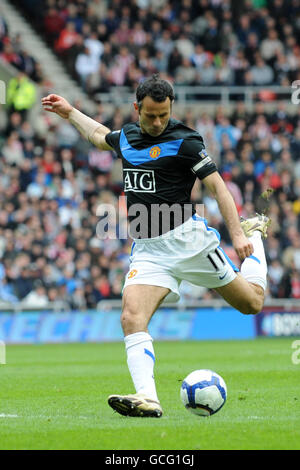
[246, 292]
[139, 304]
[246, 297]
[212, 268]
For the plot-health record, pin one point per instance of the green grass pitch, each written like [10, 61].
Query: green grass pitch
[55, 397]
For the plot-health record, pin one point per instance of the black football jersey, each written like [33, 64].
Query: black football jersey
[159, 174]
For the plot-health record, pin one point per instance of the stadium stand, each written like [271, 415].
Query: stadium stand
[52, 181]
[113, 43]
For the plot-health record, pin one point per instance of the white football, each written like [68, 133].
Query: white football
[203, 392]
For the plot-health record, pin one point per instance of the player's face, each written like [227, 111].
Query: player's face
[154, 116]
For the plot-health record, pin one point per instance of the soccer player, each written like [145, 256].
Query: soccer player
[161, 160]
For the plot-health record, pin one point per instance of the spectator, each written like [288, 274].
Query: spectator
[224, 74]
[228, 38]
[244, 29]
[261, 73]
[165, 43]
[9, 51]
[224, 127]
[185, 73]
[252, 46]
[262, 163]
[53, 23]
[123, 33]
[212, 39]
[67, 38]
[120, 66]
[36, 189]
[240, 65]
[291, 255]
[271, 46]
[185, 46]
[275, 274]
[160, 62]
[199, 56]
[21, 94]
[86, 66]
[37, 298]
[74, 16]
[95, 46]
[138, 34]
[208, 74]
[3, 28]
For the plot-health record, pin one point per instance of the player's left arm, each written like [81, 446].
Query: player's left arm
[215, 184]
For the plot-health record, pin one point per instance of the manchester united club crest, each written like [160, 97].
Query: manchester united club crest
[132, 273]
[155, 151]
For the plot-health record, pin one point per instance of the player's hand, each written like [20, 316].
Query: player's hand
[57, 104]
[242, 246]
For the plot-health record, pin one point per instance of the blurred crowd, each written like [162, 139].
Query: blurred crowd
[12, 52]
[51, 185]
[190, 42]
[52, 182]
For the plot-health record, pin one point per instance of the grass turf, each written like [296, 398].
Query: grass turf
[55, 397]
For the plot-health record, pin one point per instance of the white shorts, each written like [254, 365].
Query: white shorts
[190, 252]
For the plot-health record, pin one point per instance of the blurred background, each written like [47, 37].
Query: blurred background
[232, 64]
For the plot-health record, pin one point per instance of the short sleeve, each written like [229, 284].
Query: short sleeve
[113, 139]
[194, 155]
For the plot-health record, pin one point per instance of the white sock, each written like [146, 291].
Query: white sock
[140, 360]
[254, 267]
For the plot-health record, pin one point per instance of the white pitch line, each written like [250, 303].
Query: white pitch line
[3, 415]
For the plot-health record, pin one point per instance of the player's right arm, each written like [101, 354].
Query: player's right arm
[90, 129]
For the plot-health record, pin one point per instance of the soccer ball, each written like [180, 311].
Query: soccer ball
[203, 392]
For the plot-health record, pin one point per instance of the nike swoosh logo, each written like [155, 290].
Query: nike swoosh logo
[222, 277]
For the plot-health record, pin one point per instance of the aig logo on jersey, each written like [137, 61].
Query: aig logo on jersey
[139, 181]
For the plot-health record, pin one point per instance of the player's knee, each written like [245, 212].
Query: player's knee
[129, 319]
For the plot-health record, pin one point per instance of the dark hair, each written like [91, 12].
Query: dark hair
[157, 88]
